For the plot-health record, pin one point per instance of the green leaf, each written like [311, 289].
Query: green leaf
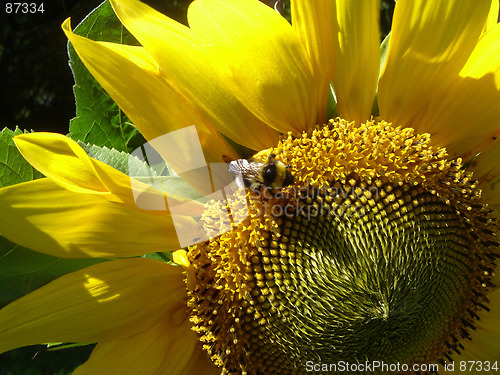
[159, 176]
[384, 46]
[331, 106]
[23, 270]
[98, 119]
[38, 360]
[174, 185]
[14, 168]
[63, 345]
[165, 257]
[122, 161]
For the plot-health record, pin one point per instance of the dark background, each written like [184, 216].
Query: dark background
[36, 84]
[35, 79]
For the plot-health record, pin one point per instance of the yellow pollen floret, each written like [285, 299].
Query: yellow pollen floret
[381, 249]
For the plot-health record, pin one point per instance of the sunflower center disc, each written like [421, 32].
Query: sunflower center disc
[381, 251]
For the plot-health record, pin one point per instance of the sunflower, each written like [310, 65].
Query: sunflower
[383, 248]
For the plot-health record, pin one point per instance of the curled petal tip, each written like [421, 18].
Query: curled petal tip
[66, 25]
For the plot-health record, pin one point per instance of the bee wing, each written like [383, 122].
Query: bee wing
[235, 168]
[243, 169]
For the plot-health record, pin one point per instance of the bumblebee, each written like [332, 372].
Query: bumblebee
[257, 175]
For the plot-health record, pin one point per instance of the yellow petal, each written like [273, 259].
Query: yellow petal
[465, 118]
[357, 54]
[260, 57]
[486, 166]
[107, 301]
[63, 160]
[66, 163]
[484, 344]
[193, 83]
[492, 19]
[492, 196]
[136, 83]
[168, 347]
[430, 43]
[180, 257]
[47, 218]
[198, 364]
[313, 21]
